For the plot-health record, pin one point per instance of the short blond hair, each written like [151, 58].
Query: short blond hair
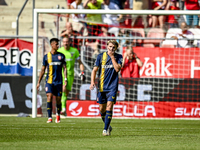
[114, 42]
[129, 48]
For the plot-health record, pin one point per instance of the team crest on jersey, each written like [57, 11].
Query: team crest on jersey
[59, 57]
[72, 54]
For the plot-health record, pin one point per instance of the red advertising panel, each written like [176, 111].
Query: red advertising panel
[136, 109]
[169, 62]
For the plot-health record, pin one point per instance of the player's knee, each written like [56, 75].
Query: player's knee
[58, 100]
[49, 97]
[102, 110]
[109, 107]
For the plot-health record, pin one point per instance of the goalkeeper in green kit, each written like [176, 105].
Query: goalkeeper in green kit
[71, 55]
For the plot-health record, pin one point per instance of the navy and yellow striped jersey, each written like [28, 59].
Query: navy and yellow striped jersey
[108, 77]
[54, 64]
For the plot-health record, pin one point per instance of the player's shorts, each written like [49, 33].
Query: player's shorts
[70, 80]
[103, 97]
[55, 89]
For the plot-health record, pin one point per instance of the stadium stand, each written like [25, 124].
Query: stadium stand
[196, 33]
[155, 33]
[138, 32]
[170, 32]
[10, 11]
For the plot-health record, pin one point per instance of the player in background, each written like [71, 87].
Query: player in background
[71, 55]
[109, 64]
[54, 62]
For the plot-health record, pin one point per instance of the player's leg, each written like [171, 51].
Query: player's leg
[102, 108]
[70, 80]
[58, 102]
[63, 101]
[49, 93]
[107, 128]
[111, 100]
[49, 106]
[58, 106]
[108, 117]
[102, 104]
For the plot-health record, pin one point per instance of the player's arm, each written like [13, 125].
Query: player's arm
[93, 76]
[41, 76]
[82, 74]
[81, 65]
[117, 66]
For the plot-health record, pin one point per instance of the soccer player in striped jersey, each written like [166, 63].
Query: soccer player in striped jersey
[54, 62]
[109, 64]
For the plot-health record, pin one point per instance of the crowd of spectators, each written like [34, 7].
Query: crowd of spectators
[96, 25]
[99, 28]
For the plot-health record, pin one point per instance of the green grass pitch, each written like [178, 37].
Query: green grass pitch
[86, 134]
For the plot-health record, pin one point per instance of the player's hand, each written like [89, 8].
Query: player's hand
[82, 76]
[92, 86]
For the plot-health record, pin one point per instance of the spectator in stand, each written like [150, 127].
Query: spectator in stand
[158, 5]
[181, 4]
[111, 20]
[192, 5]
[68, 7]
[72, 34]
[77, 19]
[93, 19]
[102, 43]
[125, 33]
[119, 3]
[69, 2]
[172, 19]
[185, 37]
[140, 5]
[131, 64]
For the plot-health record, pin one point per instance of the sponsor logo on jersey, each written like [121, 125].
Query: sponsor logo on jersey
[55, 63]
[68, 59]
[107, 66]
[72, 54]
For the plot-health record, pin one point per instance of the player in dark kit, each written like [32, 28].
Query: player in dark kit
[54, 62]
[109, 64]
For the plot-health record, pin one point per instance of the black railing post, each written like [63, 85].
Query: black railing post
[17, 19]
